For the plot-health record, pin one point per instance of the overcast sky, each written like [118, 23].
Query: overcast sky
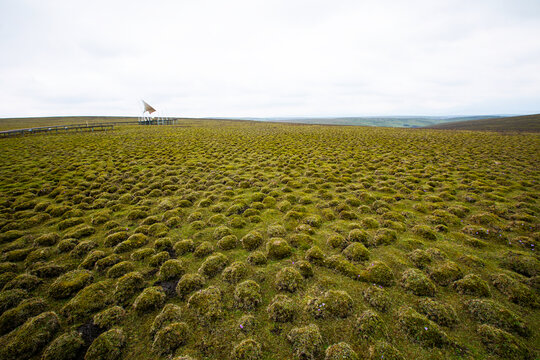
[263, 58]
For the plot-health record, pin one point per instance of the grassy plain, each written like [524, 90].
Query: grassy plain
[245, 240]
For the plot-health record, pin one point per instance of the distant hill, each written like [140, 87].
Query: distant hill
[526, 123]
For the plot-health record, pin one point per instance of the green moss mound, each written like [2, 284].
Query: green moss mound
[171, 269]
[288, 279]
[472, 284]
[16, 316]
[306, 341]
[188, 284]
[149, 299]
[68, 346]
[213, 265]
[247, 295]
[490, 312]
[368, 325]
[420, 329]
[438, 312]
[127, 286]
[281, 309]
[170, 313]
[278, 248]
[503, 344]
[416, 282]
[107, 346]
[92, 298]
[340, 351]
[109, 317]
[30, 338]
[170, 338]
[247, 349]
[207, 303]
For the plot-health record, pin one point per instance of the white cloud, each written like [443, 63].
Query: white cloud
[269, 58]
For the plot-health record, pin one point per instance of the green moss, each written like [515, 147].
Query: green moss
[171, 337]
[30, 338]
[183, 247]
[207, 303]
[384, 350]
[133, 242]
[306, 342]
[149, 299]
[278, 248]
[235, 272]
[107, 262]
[256, 258]
[247, 349]
[69, 283]
[120, 269]
[91, 259]
[109, 317]
[163, 244]
[368, 325]
[82, 248]
[247, 295]
[472, 285]
[67, 245]
[16, 316]
[142, 254]
[516, 292]
[383, 237]
[288, 279]
[170, 313]
[446, 273]
[11, 298]
[203, 249]
[80, 232]
[171, 269]
[68, 346]
[251, 240]
[23, 281]
[340, 351]
[304, 268]
[213, 265]
[92, 298]
[356, 252]
[492, 313]
[420, 329]
[378, 273]
[188, 284]
[127, 286]
[158, 259]
[503, 344]
[377, 297]
[336, 241]
[522, 264]
[49, 239]
[107, 346]
[337, 303]
[358, 235]
[420, 258]
[228, 242]
[438, 312]
[416, 282]
[281, 309]
[315, 255]
[424, 232]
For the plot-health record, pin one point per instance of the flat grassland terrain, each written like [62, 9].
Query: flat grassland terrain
[244, 240]
[525, 123]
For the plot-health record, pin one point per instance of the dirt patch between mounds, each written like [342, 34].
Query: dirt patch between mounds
[168, 286]
[89, 332]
